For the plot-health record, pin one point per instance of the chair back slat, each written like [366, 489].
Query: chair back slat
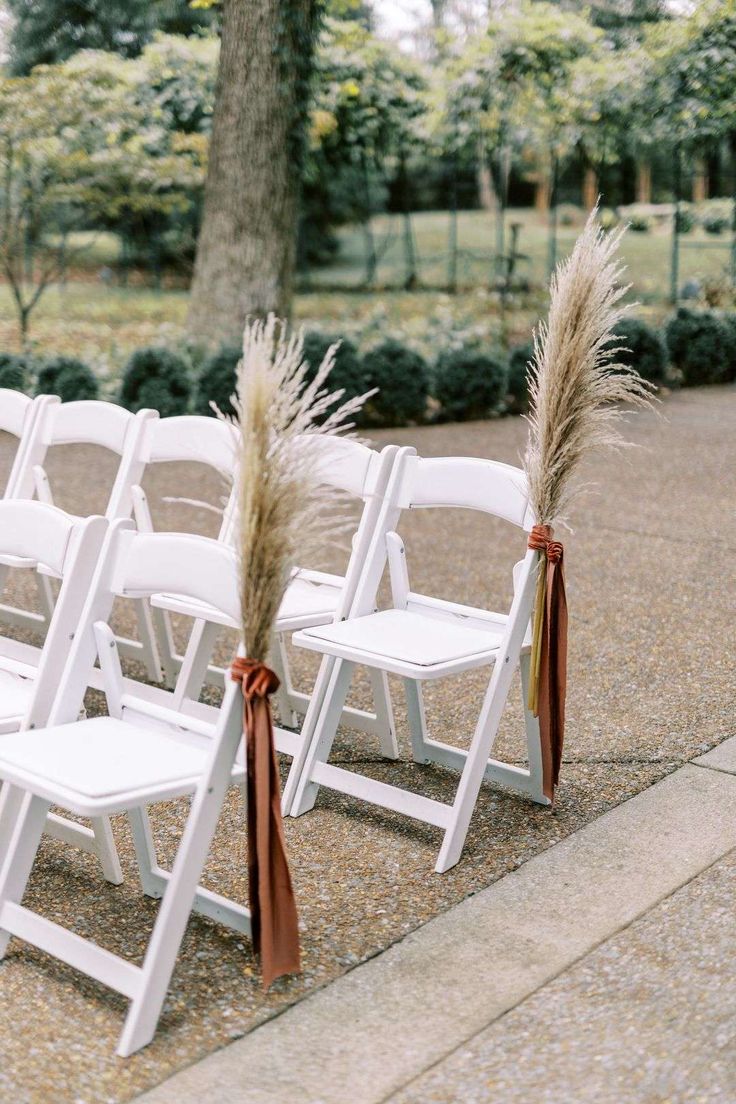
[35, 531]
[192, 437]
[466, 482]
[345, 464]
[190, 566]
[14, 410]
[88, 422]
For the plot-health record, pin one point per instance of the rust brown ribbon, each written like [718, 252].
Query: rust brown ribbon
[552, 669]
[274, 922]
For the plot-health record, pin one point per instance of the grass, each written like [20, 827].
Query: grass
[103, 324]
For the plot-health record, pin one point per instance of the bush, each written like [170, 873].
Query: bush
[643, 349]
[68, 378]
[348, 372]
[158, 378]
[14, 371]
[469, 384]
[715, 224]
[729, 321]
[516, 385]
[216, 381]
[640, 224]
[403, 381]
[698, 343]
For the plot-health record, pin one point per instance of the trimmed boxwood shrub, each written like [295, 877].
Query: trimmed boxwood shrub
[14, 371]
[643, 348]
[699, 346]
[216, 381]
[402, 377]
[348, 372]
[158, 378]
[729, 321]
[68, 378]
[516, 387]
[469, 383]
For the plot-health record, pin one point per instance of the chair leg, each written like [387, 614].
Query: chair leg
[165, 644]
[476, 763]
[285, 692]
[322, 738]
[417, 721]
[194, 665]
[106, 850]
[158, 964]
[145, 851]
[16, 870]
[384, 713]
[10, 804]
[150, 656]
[533, 744]
[46, 597]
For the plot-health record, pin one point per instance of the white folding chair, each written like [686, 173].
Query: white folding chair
[186, 439]
[423, 638]
[120, 432]
[312, 598]
[31, 533]
[146, 751]
[18, 414]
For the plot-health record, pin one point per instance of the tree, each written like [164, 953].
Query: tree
[247, 244]
[45, 32]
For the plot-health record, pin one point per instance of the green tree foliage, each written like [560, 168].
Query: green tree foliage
[46, 32]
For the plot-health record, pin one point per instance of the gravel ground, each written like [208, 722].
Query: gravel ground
[650, 589]
[649, 1016]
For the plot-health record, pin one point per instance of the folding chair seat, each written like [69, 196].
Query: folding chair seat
[85, 423]
[424, 638]
[147, 750]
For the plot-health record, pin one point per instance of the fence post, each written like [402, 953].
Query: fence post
[675, 258]
[452, 243]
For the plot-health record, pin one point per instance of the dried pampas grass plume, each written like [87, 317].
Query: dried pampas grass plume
[574, 379]
[280, 495]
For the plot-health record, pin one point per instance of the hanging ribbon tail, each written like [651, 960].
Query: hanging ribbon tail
[274, 920]
[551, 688]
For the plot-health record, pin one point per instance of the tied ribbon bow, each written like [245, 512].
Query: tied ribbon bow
[274, 921]
[548, 682]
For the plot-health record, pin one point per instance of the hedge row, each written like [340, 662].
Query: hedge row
[696, 347]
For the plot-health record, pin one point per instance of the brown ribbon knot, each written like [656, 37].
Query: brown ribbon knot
[274, 921]
[548, 682]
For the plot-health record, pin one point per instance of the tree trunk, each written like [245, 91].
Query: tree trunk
[643, 182]
[542, 192]
[590, 188]
[486, 191]
[247, 245]
[700, 181]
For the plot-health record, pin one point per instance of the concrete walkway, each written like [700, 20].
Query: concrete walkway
[601, 970]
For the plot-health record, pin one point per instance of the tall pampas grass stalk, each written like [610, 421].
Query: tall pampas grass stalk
[279, 415]
[281, 507]
[576, 389]
[575, 381]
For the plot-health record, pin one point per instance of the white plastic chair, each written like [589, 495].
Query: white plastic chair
[18, 414]
[31, 533]
[119, 431]
[312, 598]
[186, 438]
[146, 751]
[424, 638]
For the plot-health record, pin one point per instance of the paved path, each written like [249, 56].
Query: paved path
[602, 970]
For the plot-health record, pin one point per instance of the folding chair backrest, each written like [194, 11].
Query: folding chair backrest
[90, 422]
[33, 533]
[17, 415]
[345, 464]
[140, 565]
[466, 482]
[192, 438]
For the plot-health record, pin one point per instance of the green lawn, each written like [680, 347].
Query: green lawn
[103, 324]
